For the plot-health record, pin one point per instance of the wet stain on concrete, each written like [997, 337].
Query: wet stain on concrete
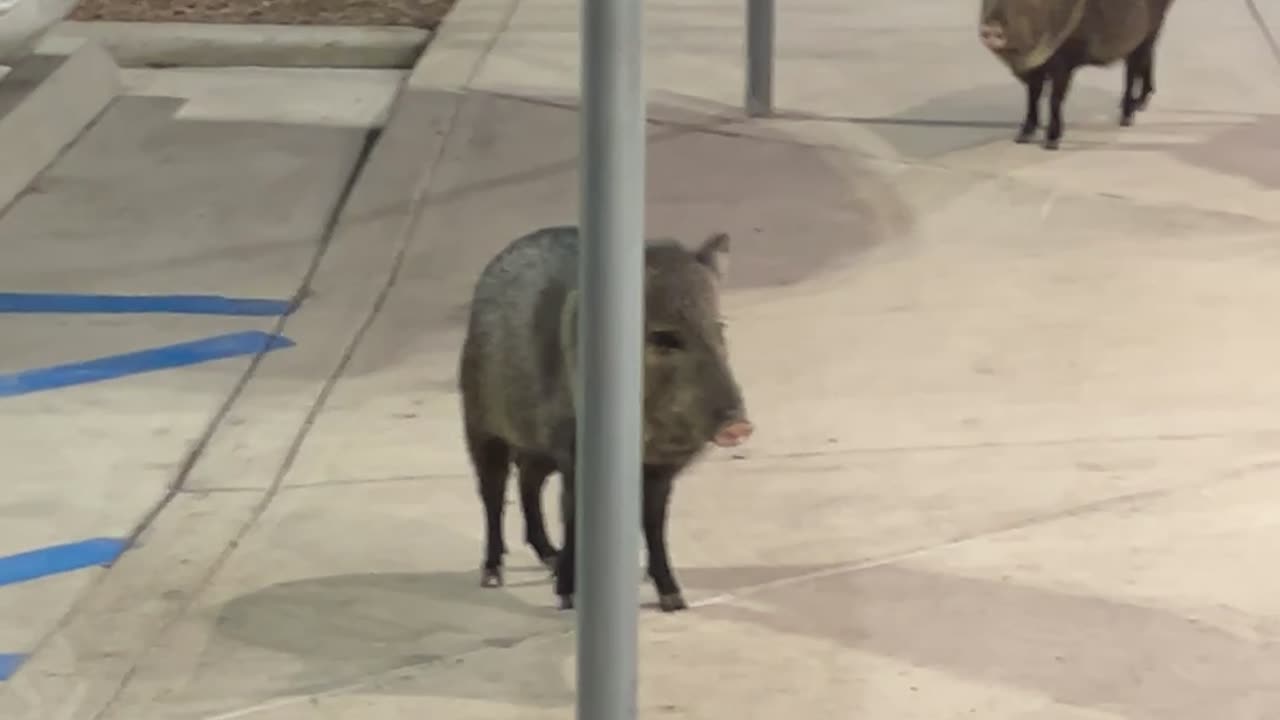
[1250, 151]
[389, 631]
[794, 211]
[1138, 662]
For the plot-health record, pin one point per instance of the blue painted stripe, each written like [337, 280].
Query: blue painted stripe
[56, 559]
[179, 304]
[159, 358]
[9, 665]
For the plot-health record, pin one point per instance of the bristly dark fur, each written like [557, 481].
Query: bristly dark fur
[517, 377]
[1106, 32]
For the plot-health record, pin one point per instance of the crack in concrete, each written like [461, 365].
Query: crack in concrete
[269, 494]
[379, 677]
[1106, 504]
[1264, 28]
[1000, 444]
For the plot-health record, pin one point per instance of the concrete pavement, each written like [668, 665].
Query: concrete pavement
[179, 188]
[1017, 421]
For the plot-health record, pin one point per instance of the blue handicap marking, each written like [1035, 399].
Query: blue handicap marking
[165, 357]
[53, 560]
[35, 564]
[57, 559]
[119, 304]
[9, 664]
[158, 358]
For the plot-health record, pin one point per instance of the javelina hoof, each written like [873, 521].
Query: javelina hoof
[1025, 136]
[1126, 120]
[491, 577]
[672, 602]
[566, 602]
[1051, 144]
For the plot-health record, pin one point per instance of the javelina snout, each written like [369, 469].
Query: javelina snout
[518, 373]
[691, 395]
[992, 35]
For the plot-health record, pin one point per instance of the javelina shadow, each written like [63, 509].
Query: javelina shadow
[1137, 662]
[408, 632]
[965, 119]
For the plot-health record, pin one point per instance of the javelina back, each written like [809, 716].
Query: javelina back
[517, 373]
[1046, 40]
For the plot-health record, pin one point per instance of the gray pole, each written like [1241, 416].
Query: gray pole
[611, 337]
[760, 15]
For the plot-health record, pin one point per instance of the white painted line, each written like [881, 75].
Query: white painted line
[331, 97]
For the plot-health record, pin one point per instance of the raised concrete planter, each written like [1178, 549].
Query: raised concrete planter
[46, 101]
[137, 44]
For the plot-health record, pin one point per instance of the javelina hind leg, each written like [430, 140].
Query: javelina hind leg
[1060, 76]
[1034, 81]
[491, 457]
[657, 498]
[1146, 71]
[533, 472]
[1137, 69]
[1128, 101]
[565, 570]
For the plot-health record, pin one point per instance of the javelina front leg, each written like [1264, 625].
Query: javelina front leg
[1031, 121]
[565, 569]
[658, 481]
[1061, 78]
[491, 457]
[533, 472]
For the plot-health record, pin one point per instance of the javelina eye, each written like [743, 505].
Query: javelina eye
[666, 340]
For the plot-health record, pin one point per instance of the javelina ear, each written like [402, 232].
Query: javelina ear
[714, 253]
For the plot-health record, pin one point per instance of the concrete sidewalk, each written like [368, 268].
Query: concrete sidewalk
[1018, 420]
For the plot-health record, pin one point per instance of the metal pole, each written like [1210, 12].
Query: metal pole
[760, 15]
[611, 337]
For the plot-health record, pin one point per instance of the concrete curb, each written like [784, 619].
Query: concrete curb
[172, 563]
[138, 44]
[46, 101]
[461, 44]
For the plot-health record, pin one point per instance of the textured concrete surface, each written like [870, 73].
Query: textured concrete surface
[201, 188]
[148, 44]
[46, 101]
[1017, 415]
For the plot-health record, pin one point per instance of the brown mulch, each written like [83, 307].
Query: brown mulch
[412, 13]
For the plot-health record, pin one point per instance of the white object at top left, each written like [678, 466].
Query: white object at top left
[23, 23]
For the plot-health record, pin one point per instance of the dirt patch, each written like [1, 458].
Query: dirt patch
[411, 13]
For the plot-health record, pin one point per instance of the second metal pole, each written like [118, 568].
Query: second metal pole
[760, 17]
[611, 337]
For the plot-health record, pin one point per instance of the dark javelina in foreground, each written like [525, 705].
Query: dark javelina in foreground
[517, 373]
[1046, 40]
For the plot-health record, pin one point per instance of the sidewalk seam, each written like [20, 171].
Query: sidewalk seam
[1264, 28]
[326, 235]
[421, 191]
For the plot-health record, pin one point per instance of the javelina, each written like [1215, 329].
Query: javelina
[517, 371]
[1046, 40]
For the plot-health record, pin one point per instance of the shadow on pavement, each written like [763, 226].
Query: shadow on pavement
[1145, 663]
[339, 630]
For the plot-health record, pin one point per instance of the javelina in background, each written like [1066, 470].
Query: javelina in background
[1046, 40]
[517, 373]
